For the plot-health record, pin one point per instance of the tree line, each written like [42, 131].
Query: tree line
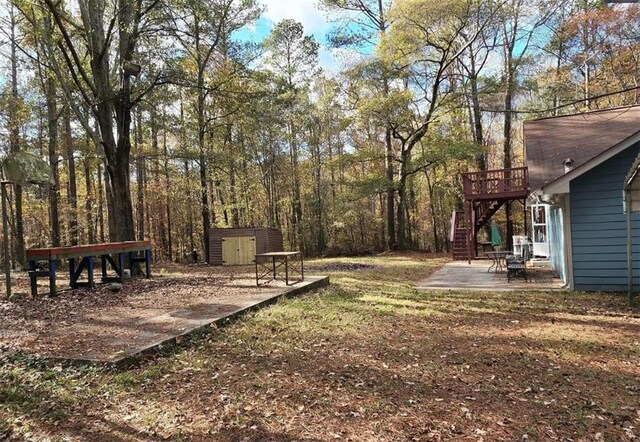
[162, 119]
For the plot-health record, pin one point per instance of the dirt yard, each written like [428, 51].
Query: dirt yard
[104, 325]
[368, 359]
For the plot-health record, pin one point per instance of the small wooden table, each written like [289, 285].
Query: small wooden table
[497, 258]
[293, 262]
[85, 255]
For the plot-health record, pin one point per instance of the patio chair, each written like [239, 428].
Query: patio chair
[517, 266]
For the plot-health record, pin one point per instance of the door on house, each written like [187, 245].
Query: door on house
[238, 250]
[539, 215]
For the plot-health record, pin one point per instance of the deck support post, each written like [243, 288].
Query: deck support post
[469, 213]
[507, 209]
[524, 213]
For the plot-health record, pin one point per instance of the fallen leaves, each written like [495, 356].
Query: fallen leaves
[331, 367]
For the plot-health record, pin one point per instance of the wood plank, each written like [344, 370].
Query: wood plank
[277, 254]
[87, 250]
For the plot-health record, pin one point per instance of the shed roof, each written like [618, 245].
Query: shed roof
[581, 137]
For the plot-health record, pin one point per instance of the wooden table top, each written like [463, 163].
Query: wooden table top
[277, 254]
[86, 250]
[498, 253]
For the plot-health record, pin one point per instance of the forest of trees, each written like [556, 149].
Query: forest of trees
[161, 119]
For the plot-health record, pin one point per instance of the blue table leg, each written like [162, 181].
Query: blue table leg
[90, 270]
[34, 279]
[131, 263]
[121, 265]
[72, 271]
[103, 263]
[52, 277]
[147, 262]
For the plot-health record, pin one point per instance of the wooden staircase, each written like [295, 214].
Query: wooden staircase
[484, 194]
[485, 210]
[460, 243]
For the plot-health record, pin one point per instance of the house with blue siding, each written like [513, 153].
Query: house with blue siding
[577, 170]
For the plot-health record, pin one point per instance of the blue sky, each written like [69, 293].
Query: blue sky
[307, 12]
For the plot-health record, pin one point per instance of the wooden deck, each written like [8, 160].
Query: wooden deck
[485, 193]
[496, 184]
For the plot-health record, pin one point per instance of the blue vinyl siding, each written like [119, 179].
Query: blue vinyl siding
[598, 227]
[556, 241]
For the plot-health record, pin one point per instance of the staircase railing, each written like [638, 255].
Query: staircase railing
[495, 182]
[458, 221]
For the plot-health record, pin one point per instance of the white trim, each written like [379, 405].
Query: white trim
[561, 185]
[568, 245]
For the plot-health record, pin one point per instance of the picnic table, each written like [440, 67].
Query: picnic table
[498, 258]
[81, 258]
[268, 264]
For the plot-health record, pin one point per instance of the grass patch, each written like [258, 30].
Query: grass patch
[368, 358]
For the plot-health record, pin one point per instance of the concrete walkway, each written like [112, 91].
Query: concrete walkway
[459, 275]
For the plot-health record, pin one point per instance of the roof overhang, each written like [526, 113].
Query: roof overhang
[562, 184]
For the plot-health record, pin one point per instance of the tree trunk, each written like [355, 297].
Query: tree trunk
[204, 193]
[509, 84]
[321, 240]
[233, 197]
[14, 141]
[391, 227]
[72, 190]
[297, 202]
[54, 190]
[508, 116]
[187, 174]
[478, 134]
[223, 203]
[91, 232]
[122, 207]
[101, 204]
[140, 178]
[402, 202]
[432, 212]
[167, 187]
[156, 208]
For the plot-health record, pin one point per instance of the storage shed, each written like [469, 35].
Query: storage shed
[239, 246]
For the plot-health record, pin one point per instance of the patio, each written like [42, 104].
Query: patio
[459, 275]
[101, 326]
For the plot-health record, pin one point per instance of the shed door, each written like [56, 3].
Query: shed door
[238, 250]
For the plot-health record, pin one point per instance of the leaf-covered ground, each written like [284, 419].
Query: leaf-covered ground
[369, 358]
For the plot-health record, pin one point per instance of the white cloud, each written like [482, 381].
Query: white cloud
[333, 60]
[315, 22]
[306, 12]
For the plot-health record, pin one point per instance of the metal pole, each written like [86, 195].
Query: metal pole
[5, 237]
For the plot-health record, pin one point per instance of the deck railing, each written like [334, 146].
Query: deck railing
[496, 183]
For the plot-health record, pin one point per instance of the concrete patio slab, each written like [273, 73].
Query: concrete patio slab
[459, 275]
[115, 329]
